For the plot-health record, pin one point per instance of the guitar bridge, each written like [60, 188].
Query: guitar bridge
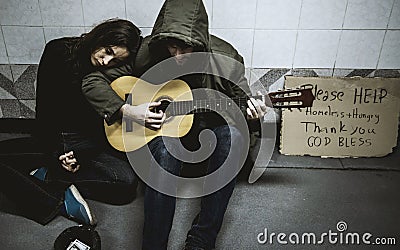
[128, 122]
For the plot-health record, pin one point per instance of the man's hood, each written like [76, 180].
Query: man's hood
[185, 20]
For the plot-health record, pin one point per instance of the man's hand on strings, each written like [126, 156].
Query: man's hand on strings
[143, 115]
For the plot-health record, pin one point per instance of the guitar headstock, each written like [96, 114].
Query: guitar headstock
[292, 98]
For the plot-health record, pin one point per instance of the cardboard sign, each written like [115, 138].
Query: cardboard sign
[350, 117]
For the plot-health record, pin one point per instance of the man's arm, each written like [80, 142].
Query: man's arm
[256, 108]
[96, 88]
[107, 103]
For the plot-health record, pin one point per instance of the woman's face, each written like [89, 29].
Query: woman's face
[109, 56]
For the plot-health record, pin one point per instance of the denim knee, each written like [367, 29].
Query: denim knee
[163, 157]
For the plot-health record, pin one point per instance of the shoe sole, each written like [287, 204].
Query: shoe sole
[40, 177]
[80, 199]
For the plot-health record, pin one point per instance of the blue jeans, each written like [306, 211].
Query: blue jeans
[105, 174]
[159, 208]
[34, 199]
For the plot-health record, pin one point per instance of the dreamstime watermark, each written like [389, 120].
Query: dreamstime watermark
[339, 236]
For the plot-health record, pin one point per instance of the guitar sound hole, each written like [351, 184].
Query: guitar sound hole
[162, 107]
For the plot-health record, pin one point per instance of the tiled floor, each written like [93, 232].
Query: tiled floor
[296, 194]
[283, 200]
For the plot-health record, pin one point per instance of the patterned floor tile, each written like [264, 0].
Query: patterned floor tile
[353, 72]
[341, 72]
[387, 73]
[24, 85]
[7, 86]
[10, 108]
[28, 108]
[255, 83]
[4, 94]
[5, 70]
[324, 72]
[256, 74]
[361, 73]
[17, 70]
[304, 73]
[272, 76]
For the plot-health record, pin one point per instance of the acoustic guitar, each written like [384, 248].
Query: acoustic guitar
[179, 106]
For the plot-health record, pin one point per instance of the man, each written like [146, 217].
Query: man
[180, 29]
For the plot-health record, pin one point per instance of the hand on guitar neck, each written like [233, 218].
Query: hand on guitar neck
[256, 108]
[143, 114]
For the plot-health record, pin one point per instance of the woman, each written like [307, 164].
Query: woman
[71, 133]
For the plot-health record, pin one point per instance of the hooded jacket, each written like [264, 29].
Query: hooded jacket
[186, 21]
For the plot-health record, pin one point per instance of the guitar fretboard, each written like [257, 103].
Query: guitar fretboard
[200, 106]
[287, 99]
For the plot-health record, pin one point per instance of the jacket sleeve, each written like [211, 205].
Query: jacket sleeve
[242, 86]
[96, 88]
[242, 89]
[50, 69]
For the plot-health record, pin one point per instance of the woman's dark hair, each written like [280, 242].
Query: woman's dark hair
[112, 32]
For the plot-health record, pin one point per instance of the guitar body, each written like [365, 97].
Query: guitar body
[126, 135]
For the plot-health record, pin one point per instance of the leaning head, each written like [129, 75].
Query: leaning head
[111, 42]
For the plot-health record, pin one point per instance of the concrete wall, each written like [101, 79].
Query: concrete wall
[276, 37]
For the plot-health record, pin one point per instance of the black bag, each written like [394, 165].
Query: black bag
[78, 238]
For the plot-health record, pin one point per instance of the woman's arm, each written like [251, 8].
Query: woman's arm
[96, 88]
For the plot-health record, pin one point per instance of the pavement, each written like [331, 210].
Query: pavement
[344, 203]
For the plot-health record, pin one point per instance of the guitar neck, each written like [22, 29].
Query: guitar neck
[207, 105]
[204, 105]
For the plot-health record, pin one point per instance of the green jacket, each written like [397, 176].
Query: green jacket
[188, 22]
